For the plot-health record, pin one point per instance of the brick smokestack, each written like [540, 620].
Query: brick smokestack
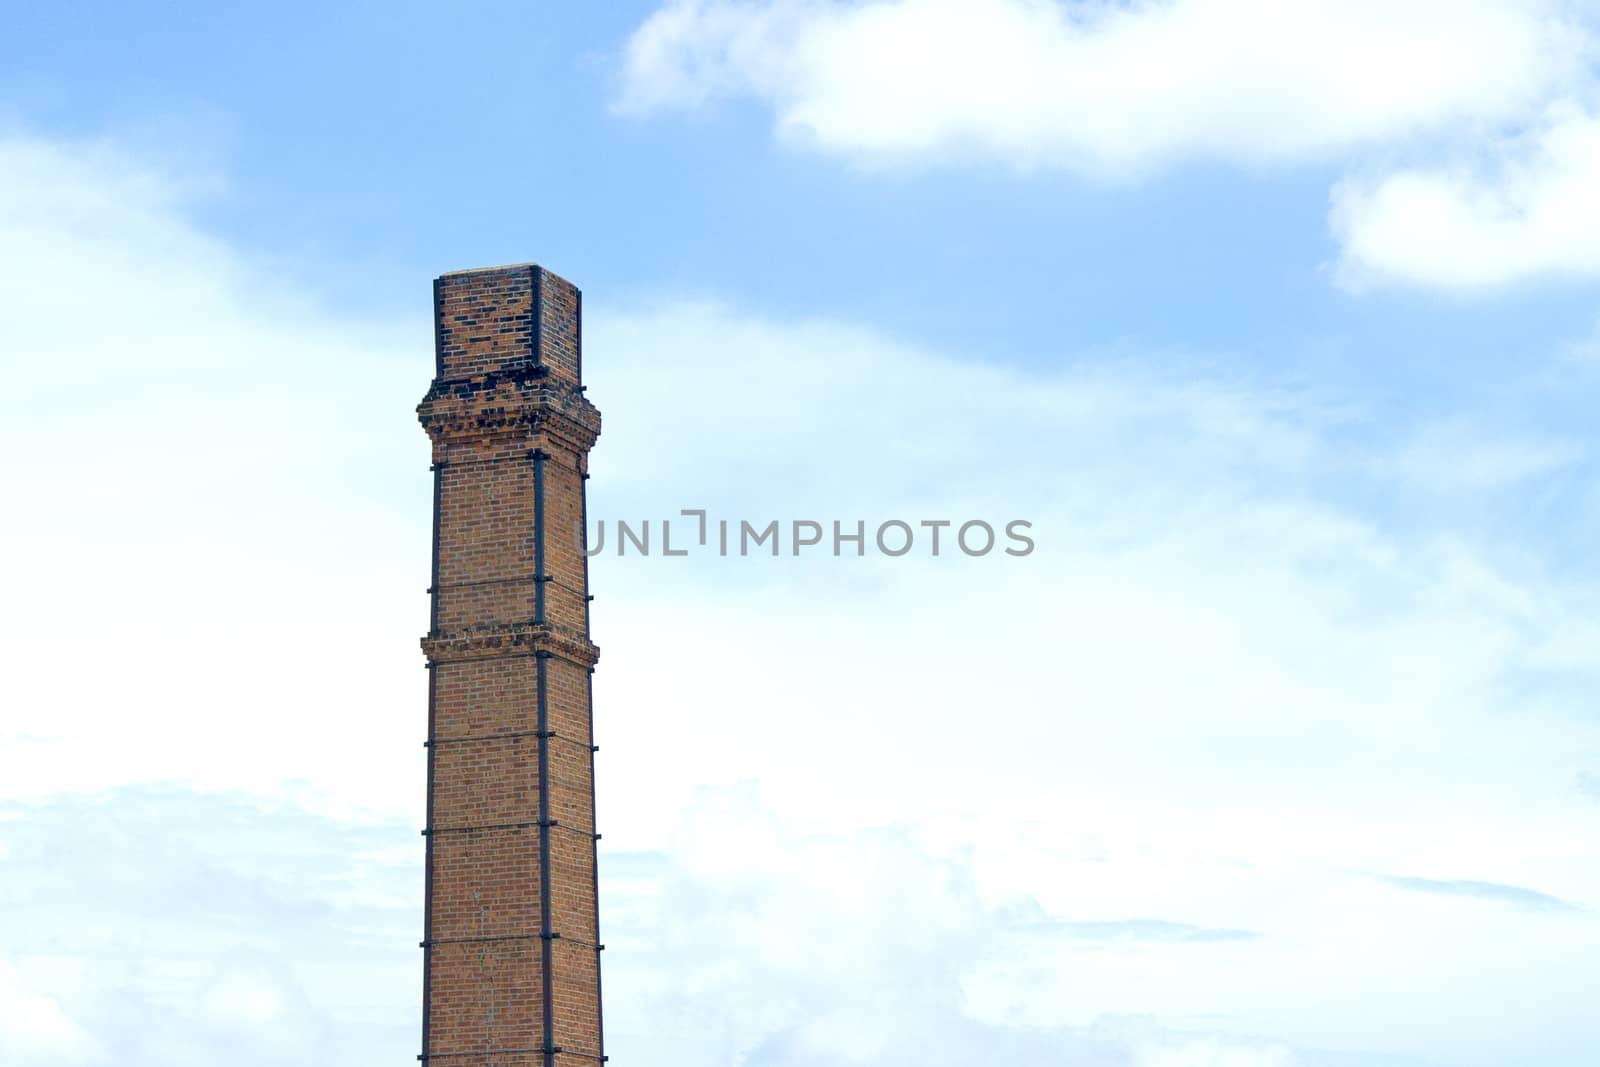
[511, 964]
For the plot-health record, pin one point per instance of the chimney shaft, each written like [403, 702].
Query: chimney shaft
[511, 971]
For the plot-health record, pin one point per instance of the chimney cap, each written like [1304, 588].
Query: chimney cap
[489, 270]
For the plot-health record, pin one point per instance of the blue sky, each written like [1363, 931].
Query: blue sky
[1276, 320]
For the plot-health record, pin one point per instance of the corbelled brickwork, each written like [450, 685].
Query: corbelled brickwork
[511, 972]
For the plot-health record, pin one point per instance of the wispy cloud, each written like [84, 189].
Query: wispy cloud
[1474, 458]
[1150, 930]
[1517, 896]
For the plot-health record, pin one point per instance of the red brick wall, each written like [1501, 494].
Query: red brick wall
[511, 940]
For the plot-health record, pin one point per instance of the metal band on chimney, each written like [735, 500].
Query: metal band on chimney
[594, 816]
[543, 692]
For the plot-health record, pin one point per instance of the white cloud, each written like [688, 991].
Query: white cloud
[35, 1030]
[203, 440]
[759, 943]
[1463, 457]
[182, 929]
[1205, 626]
[1526, 210]
[1099, 86]
[1179, 1051]
[213, 937]
[1119, 90]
